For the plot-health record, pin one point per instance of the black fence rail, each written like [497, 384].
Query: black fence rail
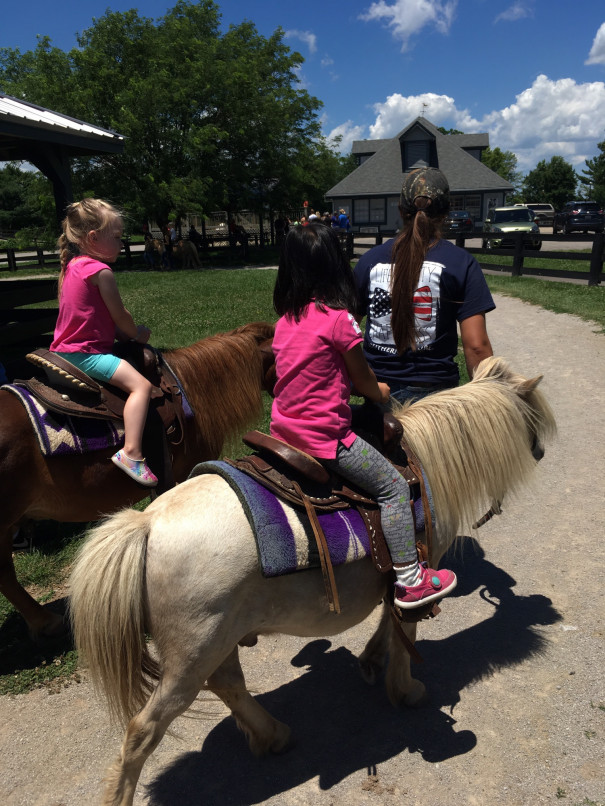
[593, 275]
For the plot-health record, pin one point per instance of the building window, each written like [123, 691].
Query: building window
[417, 154]
[469, 202]
[369, 211]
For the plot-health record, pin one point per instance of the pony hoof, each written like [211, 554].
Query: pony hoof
[370, 671]
[416, 696]
[283, 742]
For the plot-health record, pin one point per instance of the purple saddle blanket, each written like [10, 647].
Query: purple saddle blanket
[60, 434]
[284, 536]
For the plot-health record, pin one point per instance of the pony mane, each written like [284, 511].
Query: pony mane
[474, 441]
[222, 379]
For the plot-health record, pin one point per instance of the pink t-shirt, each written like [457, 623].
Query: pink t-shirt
[311, 408]
[84, 324]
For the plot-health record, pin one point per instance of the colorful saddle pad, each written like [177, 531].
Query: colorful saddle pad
[61, 435]
[284, 537]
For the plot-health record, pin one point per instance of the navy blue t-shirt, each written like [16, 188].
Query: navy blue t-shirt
[451, 288]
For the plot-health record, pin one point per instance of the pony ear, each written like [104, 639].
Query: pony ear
[529, 385]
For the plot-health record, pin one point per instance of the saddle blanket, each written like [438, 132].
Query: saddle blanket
[62, 435]
[284, 536]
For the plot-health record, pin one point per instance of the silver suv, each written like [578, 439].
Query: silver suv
[544, 214]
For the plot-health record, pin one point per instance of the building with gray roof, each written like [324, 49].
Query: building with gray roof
[370, 194]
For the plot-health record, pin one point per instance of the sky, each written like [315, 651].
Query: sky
[530, 73]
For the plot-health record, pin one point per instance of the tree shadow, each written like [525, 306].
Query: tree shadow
[18, 652]
[342, 726]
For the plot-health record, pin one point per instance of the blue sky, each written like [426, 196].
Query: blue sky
[531, 73]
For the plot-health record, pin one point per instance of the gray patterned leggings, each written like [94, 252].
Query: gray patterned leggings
[366, 467]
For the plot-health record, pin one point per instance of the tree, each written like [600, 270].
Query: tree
[593, 178]
[503, 163]
[553, 182]
[443, 130]
[26, 202]
[212, 120]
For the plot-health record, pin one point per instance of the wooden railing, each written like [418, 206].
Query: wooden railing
[595, 258]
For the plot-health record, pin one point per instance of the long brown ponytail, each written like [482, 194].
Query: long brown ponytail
[424, 203]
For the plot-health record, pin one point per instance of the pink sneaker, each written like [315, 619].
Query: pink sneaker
[433, 585]
[135, 468]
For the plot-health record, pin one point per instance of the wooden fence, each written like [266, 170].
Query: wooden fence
[595, 258]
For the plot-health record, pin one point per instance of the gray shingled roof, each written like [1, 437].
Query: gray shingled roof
[382, 173]
[23, 124]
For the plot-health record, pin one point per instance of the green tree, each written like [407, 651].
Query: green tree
[553, 182]
[26, 201]
[211, 120]
[593, 178]
[503, 163]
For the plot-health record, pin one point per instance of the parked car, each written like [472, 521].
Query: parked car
[579, 216]
[459, 221]
[503, 220]
[544, 214]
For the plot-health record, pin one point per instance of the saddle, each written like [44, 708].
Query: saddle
[69, 391]
[302, 481]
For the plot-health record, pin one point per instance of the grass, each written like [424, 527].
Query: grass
[180, 308]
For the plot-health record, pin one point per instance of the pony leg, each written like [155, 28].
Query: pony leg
[263, 732]
[402, 688]
[41, 622]
[373, 659]
[171, 698]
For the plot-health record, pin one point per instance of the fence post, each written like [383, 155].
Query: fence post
[40, 253]
[596, 259]
[12, 262]
[127, 252]
[517, 267]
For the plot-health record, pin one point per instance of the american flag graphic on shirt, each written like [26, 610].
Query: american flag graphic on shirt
[426, 304]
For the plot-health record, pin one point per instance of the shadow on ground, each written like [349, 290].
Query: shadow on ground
[342, 726]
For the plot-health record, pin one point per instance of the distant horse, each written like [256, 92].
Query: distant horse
[222, 377]
[186, 253]
[153, 253]
[186, 571]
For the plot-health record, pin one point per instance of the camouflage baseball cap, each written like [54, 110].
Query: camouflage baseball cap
[427, 182]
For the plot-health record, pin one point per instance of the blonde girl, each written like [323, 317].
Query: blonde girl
[92, 315]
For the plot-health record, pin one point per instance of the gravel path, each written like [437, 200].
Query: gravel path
[515, 663]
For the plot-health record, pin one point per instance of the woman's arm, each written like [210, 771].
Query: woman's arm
[363, 378]
[475, 341]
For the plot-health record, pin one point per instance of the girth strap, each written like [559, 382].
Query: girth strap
[324, 553]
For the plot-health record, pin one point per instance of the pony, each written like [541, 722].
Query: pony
[186, 571]
[186, 253]
[153, 253]
[222, 377]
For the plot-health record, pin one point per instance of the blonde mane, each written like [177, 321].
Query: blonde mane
[456, 432]
[221, 377]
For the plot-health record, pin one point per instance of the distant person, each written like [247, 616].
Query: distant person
[415, 289]
[343, 221]
[91, 314]
[318, 355]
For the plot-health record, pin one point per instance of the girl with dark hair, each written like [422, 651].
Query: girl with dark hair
[318, 356]
[415, 290]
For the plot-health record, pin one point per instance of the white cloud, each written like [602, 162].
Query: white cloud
[307, 37]
[597, 51]
[326, 61]
[518, 11]
[406, 18]
[550, 117]
[349, 132]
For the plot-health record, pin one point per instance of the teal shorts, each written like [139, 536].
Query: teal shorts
[100, 366]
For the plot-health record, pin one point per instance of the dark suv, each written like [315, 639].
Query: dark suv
[579, 216]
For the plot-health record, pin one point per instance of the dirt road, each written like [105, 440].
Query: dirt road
[514, 664]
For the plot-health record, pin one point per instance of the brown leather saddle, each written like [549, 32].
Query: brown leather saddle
[302, 481]
[67, 390]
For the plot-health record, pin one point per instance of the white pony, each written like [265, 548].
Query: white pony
[186, 571]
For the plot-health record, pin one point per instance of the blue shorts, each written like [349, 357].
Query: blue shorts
[100, 366]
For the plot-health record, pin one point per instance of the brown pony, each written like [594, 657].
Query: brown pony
[222, 377]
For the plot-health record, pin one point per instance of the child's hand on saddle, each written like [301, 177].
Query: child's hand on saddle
[143, 334]
[385, 392]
